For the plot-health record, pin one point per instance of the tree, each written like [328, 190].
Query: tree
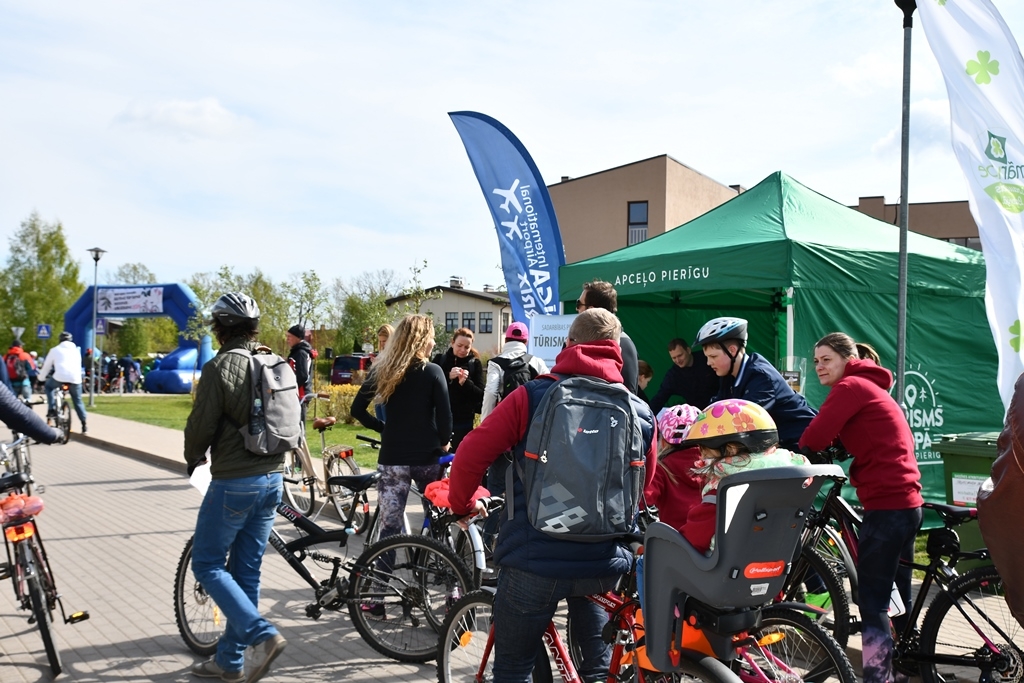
[273, 303]
[133, 274]
[307, 298]
[40, 280]
[358, 308]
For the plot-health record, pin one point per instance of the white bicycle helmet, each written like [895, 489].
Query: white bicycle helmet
[233, 309]
[721, 329]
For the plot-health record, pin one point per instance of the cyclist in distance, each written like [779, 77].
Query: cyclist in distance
[22, 419]
[860, 412]
[752, 378]
[538, 570]
[419, 423]
[238, 510]
[65, 362]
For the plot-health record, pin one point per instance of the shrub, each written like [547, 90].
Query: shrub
[340, 405]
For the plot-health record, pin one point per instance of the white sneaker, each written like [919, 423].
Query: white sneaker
[260, 656]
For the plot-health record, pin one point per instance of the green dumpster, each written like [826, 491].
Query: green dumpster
[968, 461]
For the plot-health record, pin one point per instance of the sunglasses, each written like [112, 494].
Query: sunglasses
[580, 304]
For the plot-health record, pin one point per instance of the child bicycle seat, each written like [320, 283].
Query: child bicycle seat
[759, 520]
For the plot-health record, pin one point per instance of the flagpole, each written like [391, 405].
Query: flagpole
[908, 7]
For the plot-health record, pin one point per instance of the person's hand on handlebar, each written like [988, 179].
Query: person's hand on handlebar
[479, 510]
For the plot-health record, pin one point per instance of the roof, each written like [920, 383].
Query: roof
[497, 298]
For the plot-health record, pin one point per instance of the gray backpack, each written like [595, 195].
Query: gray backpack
[583, 470]
[275, 415]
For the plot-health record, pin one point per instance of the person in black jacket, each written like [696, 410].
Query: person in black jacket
[690, 377]
[753, 378]
[20, 418]
[419, 424]
[301, 359]
[465, 373]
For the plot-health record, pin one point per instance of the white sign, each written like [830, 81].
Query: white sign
[17, 332]
[965, 488]
[125, 300]
[548, 334]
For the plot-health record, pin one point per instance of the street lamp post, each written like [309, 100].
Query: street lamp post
[96, 254]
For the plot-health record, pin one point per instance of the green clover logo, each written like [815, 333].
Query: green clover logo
[983, 70]
[1015, 341]
[996, 149]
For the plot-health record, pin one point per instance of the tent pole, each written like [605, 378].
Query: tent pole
[908, 7]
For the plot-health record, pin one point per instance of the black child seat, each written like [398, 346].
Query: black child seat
[758, 525]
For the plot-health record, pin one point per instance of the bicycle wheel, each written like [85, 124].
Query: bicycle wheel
[814, 581]
[343, 498]
[946, 631]
[464, 635]
[300, 495]
[790, 646]
[65, 421]
[399, 592]
[36, 577]
[199, 620]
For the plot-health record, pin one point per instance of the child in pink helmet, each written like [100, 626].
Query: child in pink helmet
[675, 488]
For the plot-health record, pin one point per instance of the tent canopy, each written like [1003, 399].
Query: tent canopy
[798, 265]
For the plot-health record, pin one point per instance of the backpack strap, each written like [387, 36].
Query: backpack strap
[515, 464]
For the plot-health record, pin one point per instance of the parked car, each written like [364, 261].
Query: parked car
[344, 366]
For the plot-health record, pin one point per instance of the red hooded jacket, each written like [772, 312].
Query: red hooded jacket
[862, 414]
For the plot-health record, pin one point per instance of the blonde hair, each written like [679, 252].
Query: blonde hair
[594, 324]
[406, 349]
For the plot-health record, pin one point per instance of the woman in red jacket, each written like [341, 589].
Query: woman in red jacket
[860, 412]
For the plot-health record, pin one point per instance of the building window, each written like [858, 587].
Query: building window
[637, 222]
[451, 322]
[506, 320]
[486, 323]
[469, 321]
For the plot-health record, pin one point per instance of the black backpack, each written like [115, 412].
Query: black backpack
[515, 373]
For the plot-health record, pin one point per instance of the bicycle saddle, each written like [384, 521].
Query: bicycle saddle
[355, 482]
[14, 480]
[952, 515]
[322, 423]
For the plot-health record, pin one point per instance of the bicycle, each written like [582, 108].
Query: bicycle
[786, 647]
[27, 564]
[967, 631]
[396, 592]
[61, 418]
[303, 485]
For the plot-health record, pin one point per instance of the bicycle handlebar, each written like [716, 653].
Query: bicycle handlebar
[14, 444]
[369, 439]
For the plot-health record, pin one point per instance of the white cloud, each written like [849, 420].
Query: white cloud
[204, 118]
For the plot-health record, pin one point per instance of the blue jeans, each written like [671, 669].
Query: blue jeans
[885, 537]
[76, 397]
[236, 518]
[524, 606]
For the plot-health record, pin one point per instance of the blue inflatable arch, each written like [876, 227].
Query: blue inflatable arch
[176, 369]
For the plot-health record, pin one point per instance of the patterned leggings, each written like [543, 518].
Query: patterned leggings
[393, 492]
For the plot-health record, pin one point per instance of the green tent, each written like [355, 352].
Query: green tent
[798, 265]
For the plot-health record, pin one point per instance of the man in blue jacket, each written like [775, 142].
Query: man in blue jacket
[537, 570]
[751, 377]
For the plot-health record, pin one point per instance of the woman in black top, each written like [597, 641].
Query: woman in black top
[419, 423]
[465, 373]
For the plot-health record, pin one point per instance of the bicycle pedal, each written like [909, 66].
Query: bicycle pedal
[77, 617]
[5, 571]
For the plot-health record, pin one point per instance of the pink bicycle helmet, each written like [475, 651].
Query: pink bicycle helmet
[673, 421]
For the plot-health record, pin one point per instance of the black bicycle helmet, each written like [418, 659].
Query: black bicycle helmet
[234, 308]
[65, 336]
[721, 329]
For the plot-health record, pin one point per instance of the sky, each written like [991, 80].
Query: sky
[313, 135]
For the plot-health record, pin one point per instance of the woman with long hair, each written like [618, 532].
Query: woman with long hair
[465, 373]
[860, 412]
[419, 422]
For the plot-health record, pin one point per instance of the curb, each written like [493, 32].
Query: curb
[173, 466]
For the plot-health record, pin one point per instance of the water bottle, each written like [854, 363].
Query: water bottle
[257, 423]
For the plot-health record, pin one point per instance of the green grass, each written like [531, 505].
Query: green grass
[172, 411]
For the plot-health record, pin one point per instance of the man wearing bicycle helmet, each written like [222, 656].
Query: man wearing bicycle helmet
[237, 513]
[733, 435]
[65, 362]
[752, 378]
